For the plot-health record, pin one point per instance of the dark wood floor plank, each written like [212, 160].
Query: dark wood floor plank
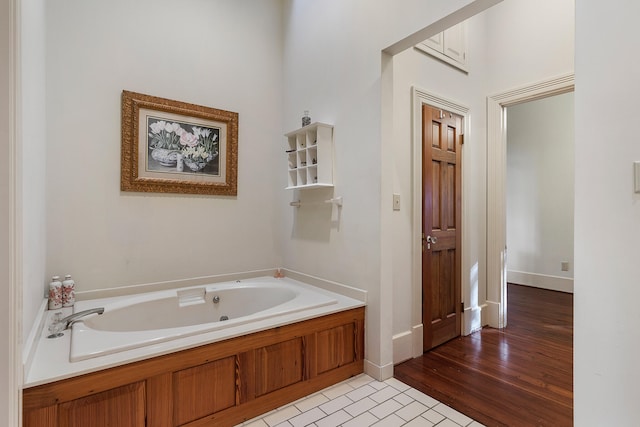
[500, 401]
[549, 381]
[518, 376]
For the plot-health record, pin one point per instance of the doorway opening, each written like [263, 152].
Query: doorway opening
[539, 192]
[496, 186]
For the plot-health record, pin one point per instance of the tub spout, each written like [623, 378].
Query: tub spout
[69, 320]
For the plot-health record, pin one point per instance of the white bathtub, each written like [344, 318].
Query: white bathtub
[131, 322]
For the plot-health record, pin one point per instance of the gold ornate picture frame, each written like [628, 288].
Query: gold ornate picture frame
[175, 147]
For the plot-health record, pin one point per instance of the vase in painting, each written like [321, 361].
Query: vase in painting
[165, 156]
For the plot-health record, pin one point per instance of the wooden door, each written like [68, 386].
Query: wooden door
[441, 225]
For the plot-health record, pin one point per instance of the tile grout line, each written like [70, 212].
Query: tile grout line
[382, 389]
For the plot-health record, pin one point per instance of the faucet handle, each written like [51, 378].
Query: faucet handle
[57, 317]
[56, 327]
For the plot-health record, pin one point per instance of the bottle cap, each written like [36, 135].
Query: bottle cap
[54, 278]
[67, 277]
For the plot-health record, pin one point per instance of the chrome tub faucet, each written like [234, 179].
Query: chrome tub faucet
[60, 325]
[69, 320]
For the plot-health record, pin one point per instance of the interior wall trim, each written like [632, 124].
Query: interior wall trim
[417, 334]
[13, 296]
[496, 184]
[378, 372]
[542, 281]
[408, 344]
[402, 347]
[31, 343]
[473, 319]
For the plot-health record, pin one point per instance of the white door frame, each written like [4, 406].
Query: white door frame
[10, 219]
[496, 186]
[419, 97]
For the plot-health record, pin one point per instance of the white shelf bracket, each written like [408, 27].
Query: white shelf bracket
[336, 201]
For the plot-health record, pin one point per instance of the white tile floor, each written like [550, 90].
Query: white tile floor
[361, 402]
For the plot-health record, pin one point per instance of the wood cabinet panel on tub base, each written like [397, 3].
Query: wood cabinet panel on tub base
[221, 384]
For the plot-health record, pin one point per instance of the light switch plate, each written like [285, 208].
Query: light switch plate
[396, 202]
[636, 176]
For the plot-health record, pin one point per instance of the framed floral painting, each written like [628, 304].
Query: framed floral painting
[174, 147]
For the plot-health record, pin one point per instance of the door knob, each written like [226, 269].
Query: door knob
[428, 240]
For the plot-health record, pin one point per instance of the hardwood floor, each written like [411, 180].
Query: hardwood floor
[518, 376]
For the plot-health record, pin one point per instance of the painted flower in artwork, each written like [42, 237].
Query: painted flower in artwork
[172, 127]
[195, 153]
[157, 127]
[164, 135]
[188, 139]
[205, 146]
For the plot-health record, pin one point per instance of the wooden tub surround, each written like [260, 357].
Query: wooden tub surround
[218, 384]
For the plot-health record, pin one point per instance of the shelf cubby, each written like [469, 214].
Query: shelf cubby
[310, 155]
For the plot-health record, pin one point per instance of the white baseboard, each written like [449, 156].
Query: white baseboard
[408, 344]
[473, 319]
[402, 347]
[418, 340]
[484, 317]
[493, 315]
[543, 281]
[377, 372]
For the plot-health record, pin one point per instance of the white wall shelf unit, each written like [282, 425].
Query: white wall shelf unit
[310, 155]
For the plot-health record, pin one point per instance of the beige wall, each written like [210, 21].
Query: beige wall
[223, 54]
[606, 373]
[34, 159]
[540, 176]
[607, 215]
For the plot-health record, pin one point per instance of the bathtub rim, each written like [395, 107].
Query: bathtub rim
[117, 303]
[46, 364]
[315, 281]
[88, 342]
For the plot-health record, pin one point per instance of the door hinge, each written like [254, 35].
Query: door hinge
[462, 139]
[462, 307]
